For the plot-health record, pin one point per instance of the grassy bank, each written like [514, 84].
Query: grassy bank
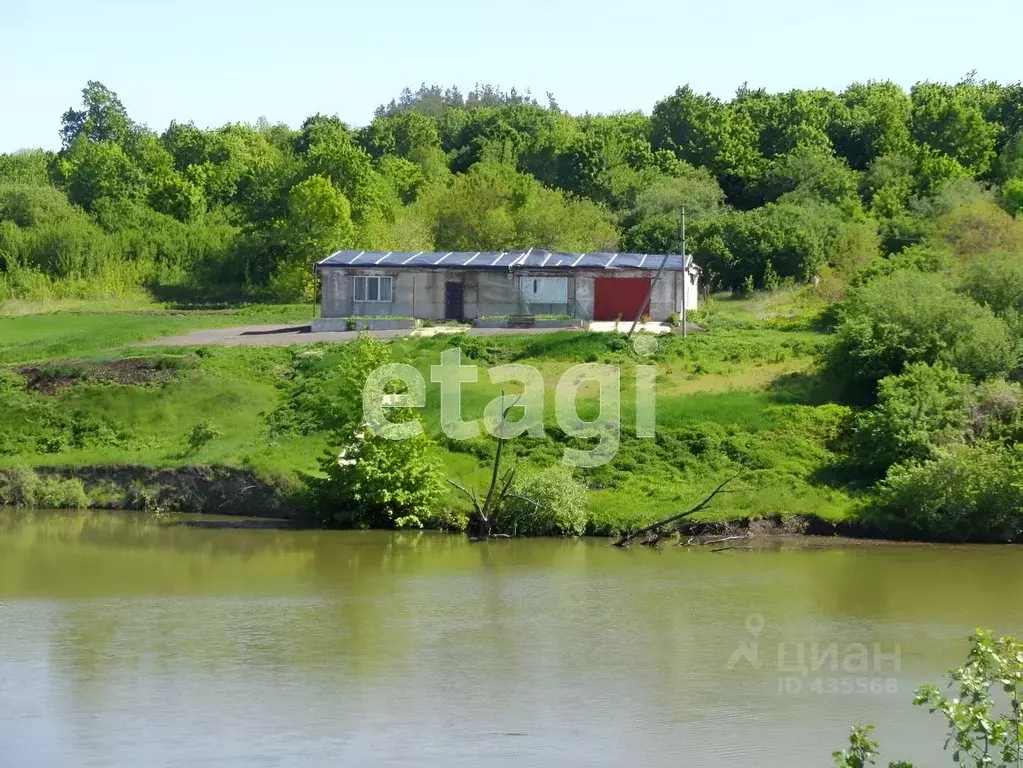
[79, 394]
[34, 331]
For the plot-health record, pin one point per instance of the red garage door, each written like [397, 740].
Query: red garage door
[616, 296]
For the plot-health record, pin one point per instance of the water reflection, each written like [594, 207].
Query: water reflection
[127, 642]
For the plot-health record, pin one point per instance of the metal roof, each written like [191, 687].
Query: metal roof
[534, 258]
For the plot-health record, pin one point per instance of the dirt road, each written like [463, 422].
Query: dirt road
[283, 335]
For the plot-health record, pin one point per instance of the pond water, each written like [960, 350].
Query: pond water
[127, 642]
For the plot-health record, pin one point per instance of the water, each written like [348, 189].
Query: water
[126, 643]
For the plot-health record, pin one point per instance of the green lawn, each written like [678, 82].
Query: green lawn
[84, 334]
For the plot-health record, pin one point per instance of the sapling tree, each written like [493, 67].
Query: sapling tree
[982, 710]
[486, 512]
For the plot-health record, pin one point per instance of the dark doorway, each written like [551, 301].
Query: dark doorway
[454, 307]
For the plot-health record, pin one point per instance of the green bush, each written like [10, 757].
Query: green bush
[20, 487]
[23, 487]
[373, 482]
[561, 505]
[63, 494]
[908, 317]
[201, 435]
[996, 413]
[972, 493]
[917, 413]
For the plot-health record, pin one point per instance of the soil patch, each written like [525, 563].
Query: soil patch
[50, 378]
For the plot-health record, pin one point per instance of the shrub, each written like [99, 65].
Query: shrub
[996, 412]
[918, 412]
[674, 320]
[1012, 196]
[201, 435]
[973, 493]
[374, 482]
[909, 317]
[63, 494]
[996, 280]
[475, 348]
[20, 487]
[561, 504]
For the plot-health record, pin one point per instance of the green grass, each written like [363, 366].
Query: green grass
[729, 401]
[83, 334]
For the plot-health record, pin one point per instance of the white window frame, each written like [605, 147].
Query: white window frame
[383, 285]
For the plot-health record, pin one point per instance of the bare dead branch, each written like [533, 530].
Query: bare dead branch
[626, 538]
[470, 494]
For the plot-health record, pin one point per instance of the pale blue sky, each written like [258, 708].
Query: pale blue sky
[215, 61]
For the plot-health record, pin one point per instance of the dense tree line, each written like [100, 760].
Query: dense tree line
[776, 186]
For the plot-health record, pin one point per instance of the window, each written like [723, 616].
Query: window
[373, 288]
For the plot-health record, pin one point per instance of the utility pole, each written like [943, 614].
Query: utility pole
[657, 276]
[685, 275]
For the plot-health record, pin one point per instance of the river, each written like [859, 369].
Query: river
[127, 642]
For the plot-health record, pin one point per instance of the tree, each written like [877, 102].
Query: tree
[935, 169]
[980, 227]
[319, 222]
[877, 123]
[94, 170]
[652, 225]
[30, 166]
[1012, 196]
[797, 238]
[103, 118]
[811, 173]
[330, 151]
[801, 119]
[494, 208]
[1010, 160]
[996, 280]
[951, 119]
[368, 480]
[176, 196]
[704, 132]
[408, 134]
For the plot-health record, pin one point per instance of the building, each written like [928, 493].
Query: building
[475, 286]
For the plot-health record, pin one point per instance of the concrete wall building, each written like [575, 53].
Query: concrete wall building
[473, 286]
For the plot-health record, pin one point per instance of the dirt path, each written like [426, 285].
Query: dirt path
[283, 335]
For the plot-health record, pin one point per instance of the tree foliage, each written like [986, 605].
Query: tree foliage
[914, 317]
[775, 186]
[982, 710]
[919, 413]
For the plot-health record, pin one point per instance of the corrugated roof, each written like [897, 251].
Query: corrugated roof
[532, 259]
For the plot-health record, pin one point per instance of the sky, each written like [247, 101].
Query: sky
[219, 61]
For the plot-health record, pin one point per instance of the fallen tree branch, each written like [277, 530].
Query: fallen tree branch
[625, 539]
[718, 541]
